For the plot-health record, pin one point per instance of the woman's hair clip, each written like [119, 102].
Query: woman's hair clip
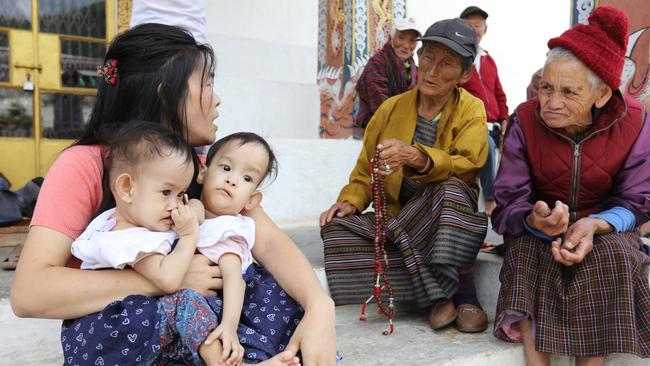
[109, 71]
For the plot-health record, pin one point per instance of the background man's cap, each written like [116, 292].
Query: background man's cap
[455, 33]
[473, 10]
[406, 24]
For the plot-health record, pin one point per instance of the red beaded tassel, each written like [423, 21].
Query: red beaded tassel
[381, 258]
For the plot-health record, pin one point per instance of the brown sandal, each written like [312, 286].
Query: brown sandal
[10, 262]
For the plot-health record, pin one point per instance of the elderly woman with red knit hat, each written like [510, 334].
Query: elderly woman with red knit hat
[573, 181]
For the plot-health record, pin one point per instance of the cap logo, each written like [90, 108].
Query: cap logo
[460, 35]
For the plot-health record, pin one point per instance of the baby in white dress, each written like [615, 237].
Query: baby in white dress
[235, 167]
[149, 170]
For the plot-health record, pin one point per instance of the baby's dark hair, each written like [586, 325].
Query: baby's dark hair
[246, 138]
[141, 141]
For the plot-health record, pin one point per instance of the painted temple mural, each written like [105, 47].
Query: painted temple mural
[636, 73]
[349, 33]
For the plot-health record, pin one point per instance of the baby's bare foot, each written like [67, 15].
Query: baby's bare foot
[285, 358]
[211, 353]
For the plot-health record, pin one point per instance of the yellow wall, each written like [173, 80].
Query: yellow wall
[49, 50]
[18, 160]
[21, 55]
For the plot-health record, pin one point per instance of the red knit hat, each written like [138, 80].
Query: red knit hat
[600, 45]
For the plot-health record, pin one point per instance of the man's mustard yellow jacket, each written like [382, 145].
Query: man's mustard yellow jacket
[460, 149]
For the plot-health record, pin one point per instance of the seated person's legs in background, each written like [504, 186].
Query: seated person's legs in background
[487, 175]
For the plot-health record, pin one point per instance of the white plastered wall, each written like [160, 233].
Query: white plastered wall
[266, 66]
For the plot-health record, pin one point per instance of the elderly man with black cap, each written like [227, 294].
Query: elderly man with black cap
[574, 180]
[485, 85]
[431, 143]
[389, 72]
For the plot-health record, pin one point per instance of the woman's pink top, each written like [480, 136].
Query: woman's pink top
[71, 192]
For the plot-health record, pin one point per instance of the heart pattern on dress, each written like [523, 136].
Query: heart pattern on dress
[265, 302]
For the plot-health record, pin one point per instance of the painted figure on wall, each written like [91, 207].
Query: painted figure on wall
[350, 31]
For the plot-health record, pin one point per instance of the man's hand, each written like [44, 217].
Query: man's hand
[395, 154]
[504, 126]
[340, 209]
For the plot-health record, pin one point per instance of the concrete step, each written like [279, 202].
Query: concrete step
[28, 342]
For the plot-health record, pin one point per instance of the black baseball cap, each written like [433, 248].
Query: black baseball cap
[455, 33]
[473, 10]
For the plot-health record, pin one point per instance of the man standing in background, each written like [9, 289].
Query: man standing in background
[485, 85]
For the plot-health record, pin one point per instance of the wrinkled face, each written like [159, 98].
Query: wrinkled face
[404, 43]
[201, 108]
[440, 71]
[478, 23]
[566, 95]
[233, 176]
[158, 188]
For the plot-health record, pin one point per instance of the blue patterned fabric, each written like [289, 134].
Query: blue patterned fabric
[269, 316]
[186, 320]
[142, 330]
[124, 333]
